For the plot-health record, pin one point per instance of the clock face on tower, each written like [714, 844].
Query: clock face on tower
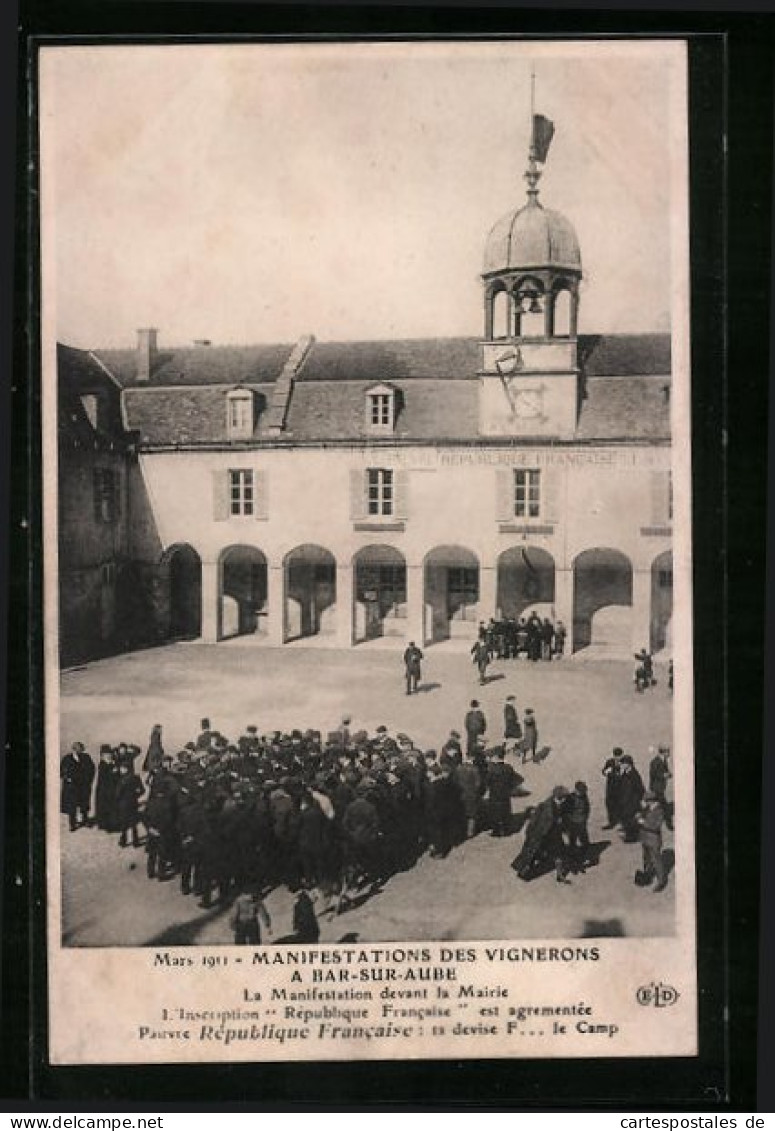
[527, 403]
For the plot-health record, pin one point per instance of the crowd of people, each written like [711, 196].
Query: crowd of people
[341, 814]
[532, 637]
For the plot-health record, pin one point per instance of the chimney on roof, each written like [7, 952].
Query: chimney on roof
[146, 352]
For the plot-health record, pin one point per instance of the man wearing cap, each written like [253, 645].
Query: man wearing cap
[412, 667]
[659, 773]
[649, 822]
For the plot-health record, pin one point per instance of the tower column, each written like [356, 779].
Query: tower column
[488, 301]
[563, 602]
[275, 604]
[211, 602]
[549, 314]
[415, 604]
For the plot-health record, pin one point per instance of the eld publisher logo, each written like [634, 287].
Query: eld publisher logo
[657, 994]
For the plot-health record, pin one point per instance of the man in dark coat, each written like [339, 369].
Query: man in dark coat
[442, 809]
[576, 818]
[543, 838]
[659, 774]
[630, 796]
[312, 836]
[306, 928]
[77, 773]
[560, 633]
[476, 726]
[481, 657]
[612, 773]
[105, 791]
[469, 785]
[362, 830]
[412, 667]
[649, 824]
[512, 731]
[502, 783]
[129, 790]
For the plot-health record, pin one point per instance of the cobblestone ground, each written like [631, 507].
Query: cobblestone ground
[583, 709]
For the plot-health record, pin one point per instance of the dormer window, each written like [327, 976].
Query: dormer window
[381, 408]
[239, 419]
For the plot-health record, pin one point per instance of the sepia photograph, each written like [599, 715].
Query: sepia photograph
[366, 413]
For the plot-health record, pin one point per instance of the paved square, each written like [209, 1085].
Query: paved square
[583, 710]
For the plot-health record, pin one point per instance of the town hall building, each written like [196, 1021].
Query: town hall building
[346, 492]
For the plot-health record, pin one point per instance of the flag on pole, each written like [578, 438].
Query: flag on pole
[543, 132]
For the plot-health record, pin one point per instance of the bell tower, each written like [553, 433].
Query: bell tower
[531, 277]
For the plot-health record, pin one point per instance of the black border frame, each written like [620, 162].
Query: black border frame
[728, 495]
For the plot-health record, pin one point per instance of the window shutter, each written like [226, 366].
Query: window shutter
[220, 495]
[551, 484]
[260, 495]
[357, 493]
[401, 492]
[660, 492]
[504, 498]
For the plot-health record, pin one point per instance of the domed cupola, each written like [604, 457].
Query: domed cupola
[531, 277]
[531, 259]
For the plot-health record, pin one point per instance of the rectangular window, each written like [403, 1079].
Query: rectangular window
[527, 493]
[241, 492]
[380, 409]
[240, 418]
[380, 490]
[105, 494]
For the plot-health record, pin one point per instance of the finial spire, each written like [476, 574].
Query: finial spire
[541, 133]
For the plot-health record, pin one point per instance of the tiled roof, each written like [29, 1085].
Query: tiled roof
[614, 408]
[201, 365]
[436, 385]
[190, 415]
[633, 408]
[78, 374]
[611, 355]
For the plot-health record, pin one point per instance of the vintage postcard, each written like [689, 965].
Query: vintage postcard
[366, 428]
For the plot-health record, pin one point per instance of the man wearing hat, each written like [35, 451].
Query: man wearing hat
[512, 731]
[629, 797]
[476, 726]
[649, 822]
[77, 773]
[412, 667]
[612, 773]
[502, 783]
[105, 792]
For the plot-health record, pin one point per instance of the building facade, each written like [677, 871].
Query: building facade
[400, 490]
